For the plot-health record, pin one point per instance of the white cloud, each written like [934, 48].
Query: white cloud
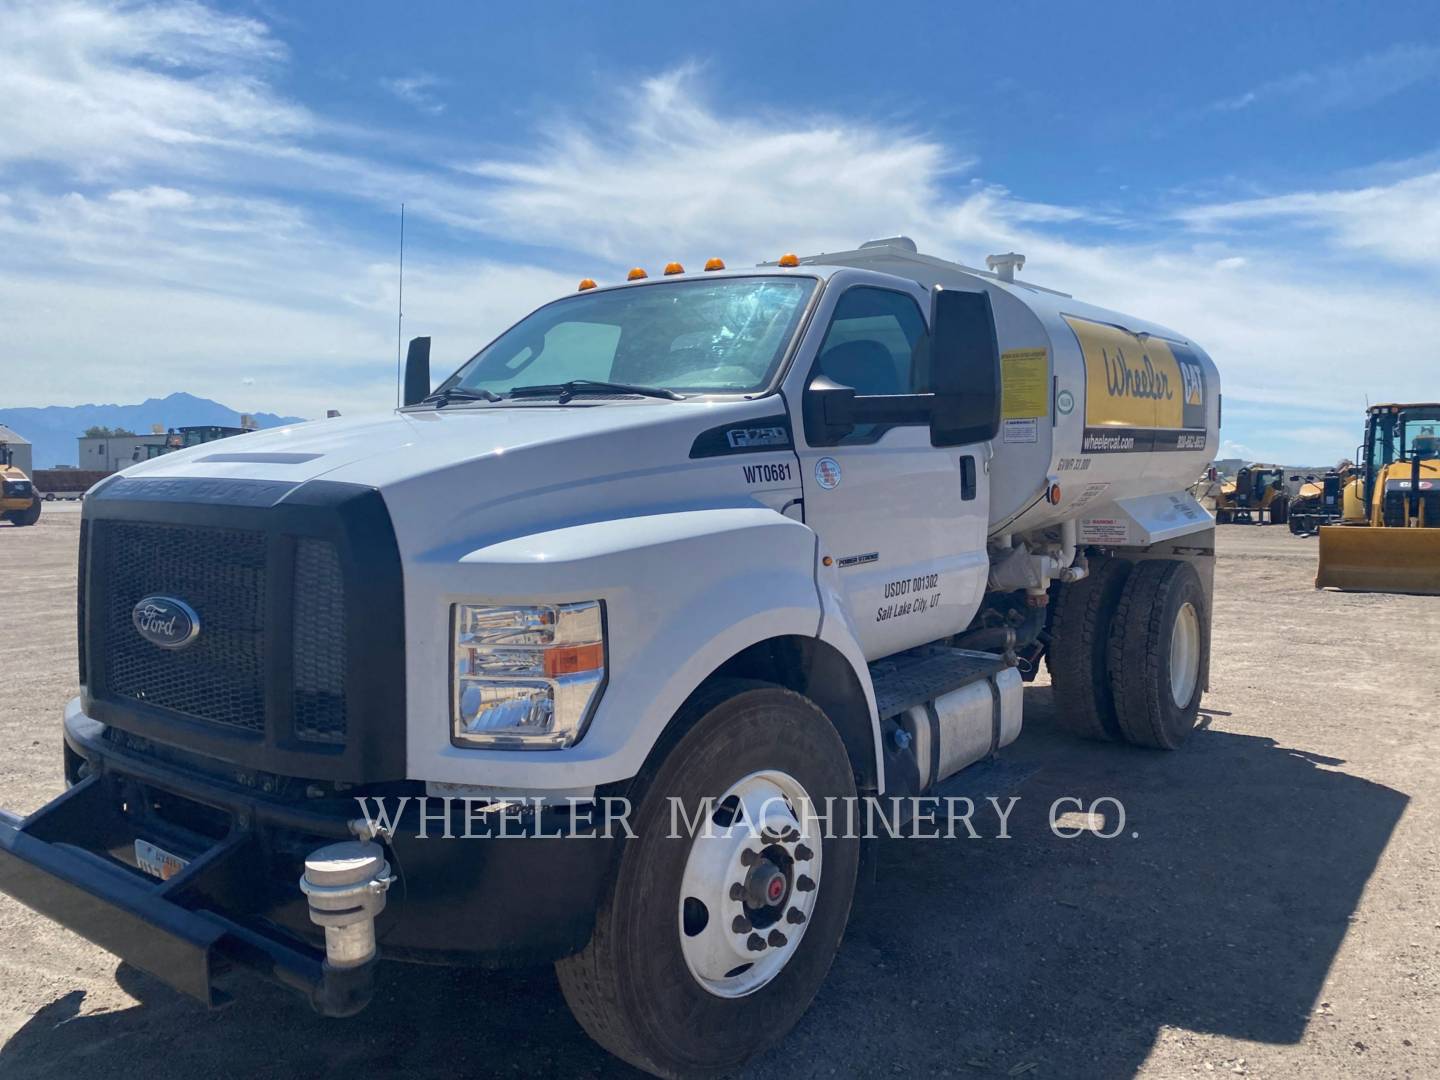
[95, 88]
[416, 91]
[1351, 84]
[1397, 221]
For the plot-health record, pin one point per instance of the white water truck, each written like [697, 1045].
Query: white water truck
[765, 537]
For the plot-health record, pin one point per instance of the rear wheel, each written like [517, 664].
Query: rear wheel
[1077, 656]
[713, 942]
[1157, 653]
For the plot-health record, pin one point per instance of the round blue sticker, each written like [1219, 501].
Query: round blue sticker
[827, 473]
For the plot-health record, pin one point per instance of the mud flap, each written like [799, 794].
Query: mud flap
[1369, 559]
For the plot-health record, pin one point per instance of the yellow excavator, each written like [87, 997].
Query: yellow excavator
[1388, 539]
[19, 504]
[1256, 492]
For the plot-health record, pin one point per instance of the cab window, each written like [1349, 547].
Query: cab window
[877, 343]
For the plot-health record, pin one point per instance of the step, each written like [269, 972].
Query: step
[912, 678]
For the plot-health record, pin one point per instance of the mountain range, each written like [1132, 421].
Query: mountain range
[52, 430]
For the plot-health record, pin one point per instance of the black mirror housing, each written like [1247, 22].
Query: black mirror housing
[829, 410]
[965, 368]
[417, 371]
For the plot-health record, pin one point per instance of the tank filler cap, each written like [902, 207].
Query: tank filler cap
[1004, 266]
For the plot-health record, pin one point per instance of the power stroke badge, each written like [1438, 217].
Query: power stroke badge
[165, 621]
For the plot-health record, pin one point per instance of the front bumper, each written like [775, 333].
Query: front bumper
[236, 905]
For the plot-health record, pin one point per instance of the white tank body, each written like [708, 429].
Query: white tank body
[1104, 405]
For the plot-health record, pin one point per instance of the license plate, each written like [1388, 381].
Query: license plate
[158, 862]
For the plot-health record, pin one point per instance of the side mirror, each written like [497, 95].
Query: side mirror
[965, 368]
[417, 371]
[832, 411]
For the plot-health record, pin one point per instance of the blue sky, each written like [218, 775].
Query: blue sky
[204, 197]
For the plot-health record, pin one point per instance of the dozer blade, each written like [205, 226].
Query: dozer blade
[1363, 558]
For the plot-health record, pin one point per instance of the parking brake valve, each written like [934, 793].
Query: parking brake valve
[345, 884]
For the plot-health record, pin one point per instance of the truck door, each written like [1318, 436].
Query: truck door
[904, 521]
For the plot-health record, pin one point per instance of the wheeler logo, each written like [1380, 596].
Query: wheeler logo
[165, 621]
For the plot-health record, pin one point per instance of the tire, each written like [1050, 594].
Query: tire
[1140, 653]
[631, 987]
[1079, 648]
[1280, 511]
[29, 516]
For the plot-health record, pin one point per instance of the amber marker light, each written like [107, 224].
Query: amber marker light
[789, 259]
[569, 659]
[673, 268]
[587, 283]
[714, 264]
[636, 274]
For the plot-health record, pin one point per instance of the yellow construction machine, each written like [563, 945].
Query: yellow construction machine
[1256, 492]
[1388, 539]
[19, 504]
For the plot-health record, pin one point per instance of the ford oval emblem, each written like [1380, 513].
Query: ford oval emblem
[165, 621]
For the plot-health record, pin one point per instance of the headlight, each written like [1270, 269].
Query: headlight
[526, 677]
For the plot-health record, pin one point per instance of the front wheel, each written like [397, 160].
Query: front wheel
[30, 515]
[717, 933]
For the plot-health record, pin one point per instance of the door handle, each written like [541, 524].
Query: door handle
[967, 477]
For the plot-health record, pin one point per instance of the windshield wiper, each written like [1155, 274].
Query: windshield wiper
[441, 398]
[578, 387]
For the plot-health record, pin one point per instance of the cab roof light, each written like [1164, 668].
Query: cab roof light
[789, 259]
[714, 264]
[636, 274]
[673, 268]
[587, 283]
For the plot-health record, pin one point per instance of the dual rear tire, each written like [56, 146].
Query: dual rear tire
[1128, 652]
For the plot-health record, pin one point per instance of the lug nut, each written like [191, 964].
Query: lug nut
[737, 891]
[777, 939]
[804, 854]
[741, 925]
[804, 884]
[748, 857]
[755, 943]
[795, 916]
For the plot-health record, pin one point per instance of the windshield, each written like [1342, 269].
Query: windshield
[725, 336]
[1420, 436]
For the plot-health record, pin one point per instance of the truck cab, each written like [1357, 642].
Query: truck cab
[725, 544]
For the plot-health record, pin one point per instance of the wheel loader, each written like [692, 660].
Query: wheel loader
[1257, 492]
[19, 504]
[1320, 501]
[1388, 538]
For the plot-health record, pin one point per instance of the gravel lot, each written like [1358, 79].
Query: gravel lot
[1270, 908]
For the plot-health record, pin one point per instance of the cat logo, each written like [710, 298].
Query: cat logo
[1194, 383]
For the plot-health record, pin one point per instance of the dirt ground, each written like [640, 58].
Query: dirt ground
[1268, 909]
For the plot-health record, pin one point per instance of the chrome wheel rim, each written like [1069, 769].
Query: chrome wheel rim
[1184, 655]
[751, 881]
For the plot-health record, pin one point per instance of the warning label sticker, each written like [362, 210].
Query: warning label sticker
[1025, 430]
[1104, 531]
[1024, 385]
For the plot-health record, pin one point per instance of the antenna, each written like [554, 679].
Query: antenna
[400, 312]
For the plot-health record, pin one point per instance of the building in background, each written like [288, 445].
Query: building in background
[20, 448]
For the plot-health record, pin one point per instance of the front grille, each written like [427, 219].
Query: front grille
[1398, 504]
[80, 591]
[318, 695]
[222, 574]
